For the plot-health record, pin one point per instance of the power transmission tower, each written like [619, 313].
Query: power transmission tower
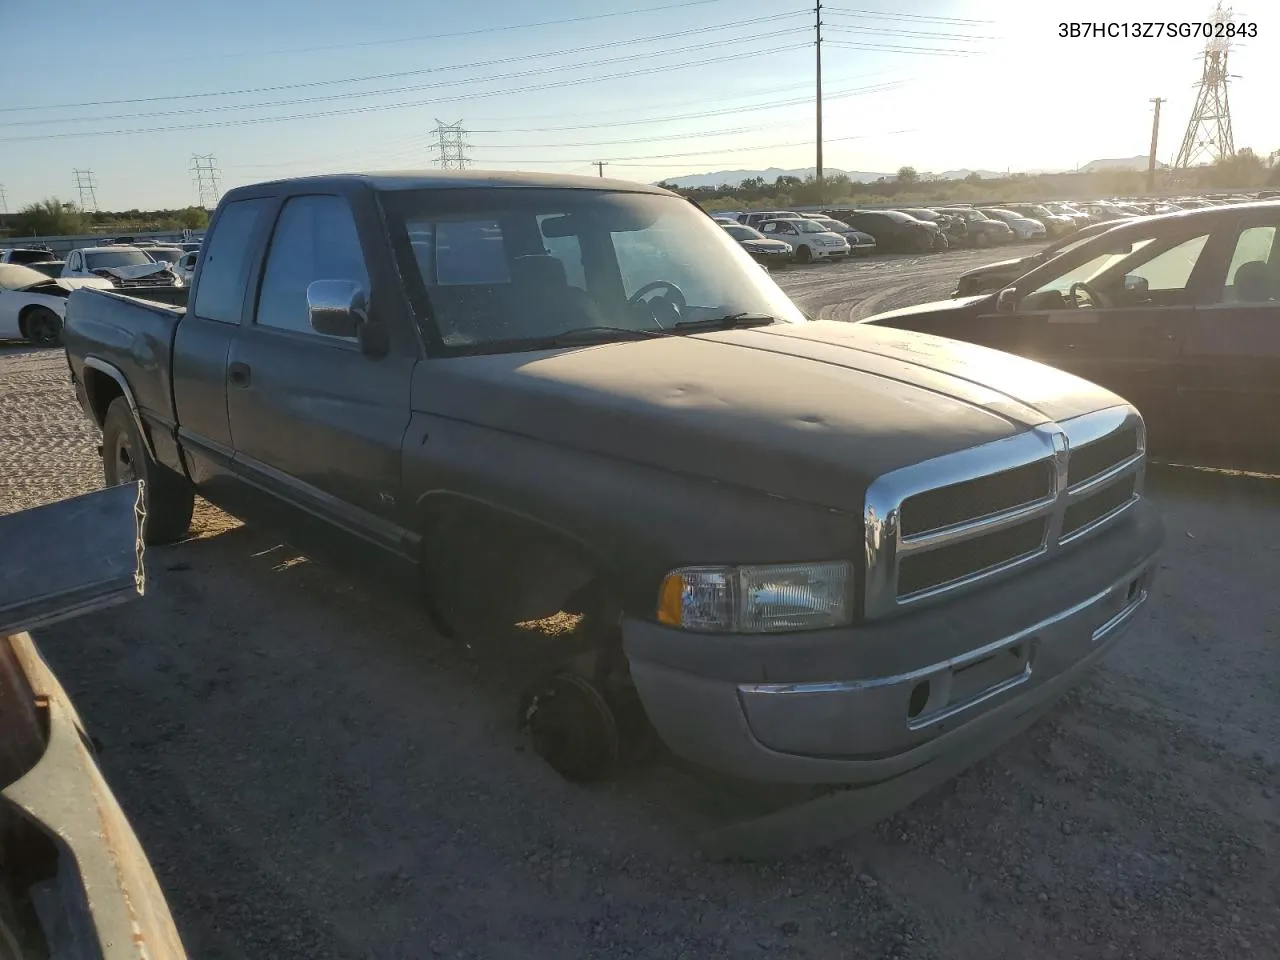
[817, 26]
[87, 187]
[1155, 137]
[4, 200]
[1209, 129]
[208, 181]
[452, 144]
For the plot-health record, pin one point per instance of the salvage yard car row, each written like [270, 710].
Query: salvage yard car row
[35, 285]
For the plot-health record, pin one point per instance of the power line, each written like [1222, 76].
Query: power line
[249, 121]
[204, 170]
[369, 78]
[382, 150]
[452, 145]
[87, 187]
[908, 33]
[906, 16]
[623, 161]
[410, 88]
[460, 33]
[923, 51]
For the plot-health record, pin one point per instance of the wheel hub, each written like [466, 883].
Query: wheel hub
[571, 726]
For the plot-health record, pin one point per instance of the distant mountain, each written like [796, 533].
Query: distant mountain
[961, 174]
[1124, 163]
[735, 177]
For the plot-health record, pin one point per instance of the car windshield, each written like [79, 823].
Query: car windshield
[171, 254]
[922, 214]
[811, 226]
[1107, 256]
[15, 277]
[500, 269]
[968, 214]
[115, 258]
[744, 233]
[1002, 214]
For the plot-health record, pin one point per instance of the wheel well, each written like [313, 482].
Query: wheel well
[531, 570]
[101, 389]
[25, 315]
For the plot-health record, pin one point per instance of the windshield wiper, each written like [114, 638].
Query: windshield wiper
[599, 334]
[734, 321]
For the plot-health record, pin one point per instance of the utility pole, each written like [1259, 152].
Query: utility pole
[817, 26]
[204, 171]
[452, 144]
[1155, 138]
[87, 187]
[4, 200]
[600, 165]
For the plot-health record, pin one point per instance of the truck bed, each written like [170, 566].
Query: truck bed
[130, 339]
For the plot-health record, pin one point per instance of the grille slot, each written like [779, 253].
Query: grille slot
[974, 499]
[957, 561]
[1080, 515]
[1091, 459]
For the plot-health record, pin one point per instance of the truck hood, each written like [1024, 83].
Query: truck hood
[810, 412]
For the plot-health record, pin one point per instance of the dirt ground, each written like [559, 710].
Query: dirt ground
[315, 774]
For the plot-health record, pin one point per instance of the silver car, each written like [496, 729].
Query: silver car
[808, 240]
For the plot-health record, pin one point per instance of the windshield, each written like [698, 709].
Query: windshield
[811, 226]
[509, 269]
[115, 258]
[1107, 256]
[744, 233]
[923, 214]
[897, 216]
[15, 277]
[171, 254]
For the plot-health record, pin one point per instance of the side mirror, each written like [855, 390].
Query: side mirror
[337, 308]
[1007, 300]
[1136, 284]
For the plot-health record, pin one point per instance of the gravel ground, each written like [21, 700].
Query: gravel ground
[315, 774]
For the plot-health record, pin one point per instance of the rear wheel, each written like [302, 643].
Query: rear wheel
[42, 326]
[168, 501]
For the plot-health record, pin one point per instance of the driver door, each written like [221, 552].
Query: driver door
[1118, 320]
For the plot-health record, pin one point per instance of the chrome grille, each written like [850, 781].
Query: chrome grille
[971, 516]
[976, 498]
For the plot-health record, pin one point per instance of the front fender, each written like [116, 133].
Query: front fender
[630, 520]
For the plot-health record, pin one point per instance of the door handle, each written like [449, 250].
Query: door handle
[238, 373]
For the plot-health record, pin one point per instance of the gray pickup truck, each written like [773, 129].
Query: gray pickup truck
[812, 552]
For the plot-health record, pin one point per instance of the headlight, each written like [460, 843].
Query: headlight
[758, 599]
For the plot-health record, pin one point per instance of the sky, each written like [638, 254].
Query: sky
[657, 88]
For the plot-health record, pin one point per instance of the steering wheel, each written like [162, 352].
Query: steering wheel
[1095, 298]
[674, 294]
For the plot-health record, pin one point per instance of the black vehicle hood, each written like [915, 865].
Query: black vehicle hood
[809, 412]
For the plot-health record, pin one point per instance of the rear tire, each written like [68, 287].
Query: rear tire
[168, 500]
[42, 327]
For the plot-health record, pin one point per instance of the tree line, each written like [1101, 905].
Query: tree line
[1245, 171]
[53, 217]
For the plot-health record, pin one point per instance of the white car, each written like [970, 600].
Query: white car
[33, 306]
[1024, 228]
[185, 268]
[808, 240]
[122, 266]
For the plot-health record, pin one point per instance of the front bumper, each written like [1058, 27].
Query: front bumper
[830, 253]
[876, 702]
